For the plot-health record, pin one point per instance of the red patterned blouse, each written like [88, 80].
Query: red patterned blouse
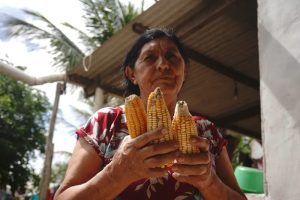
[106, 129]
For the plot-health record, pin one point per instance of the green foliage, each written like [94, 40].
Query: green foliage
[242, 149]
[22, 127]
[103, 18]
[129, 12]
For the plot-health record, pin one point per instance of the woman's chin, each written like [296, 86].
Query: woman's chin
[168, 90]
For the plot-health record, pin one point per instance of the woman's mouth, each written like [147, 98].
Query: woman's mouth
[165, 78]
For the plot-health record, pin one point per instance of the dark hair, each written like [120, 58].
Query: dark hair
[134, 52]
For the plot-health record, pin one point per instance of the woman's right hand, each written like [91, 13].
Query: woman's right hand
[140, 158]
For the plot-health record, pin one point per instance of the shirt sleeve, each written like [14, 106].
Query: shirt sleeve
[208, 130]
[97, 130]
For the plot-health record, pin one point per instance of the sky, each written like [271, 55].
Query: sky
[38, 62]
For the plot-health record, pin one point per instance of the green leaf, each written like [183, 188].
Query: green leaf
[22, 125]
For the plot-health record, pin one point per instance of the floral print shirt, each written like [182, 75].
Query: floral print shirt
[105, 131]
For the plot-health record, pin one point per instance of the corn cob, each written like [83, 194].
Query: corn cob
[158, 115]
[183, 127]
[135, 115]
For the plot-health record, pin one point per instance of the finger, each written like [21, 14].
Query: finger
[161, 160]
[160, 148]
[188, 170]
[194, 159]
[157, 172]
[189, 179]
[147, 137]
[200, 142]
[126, 139]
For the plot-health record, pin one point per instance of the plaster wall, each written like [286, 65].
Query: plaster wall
[279, 54]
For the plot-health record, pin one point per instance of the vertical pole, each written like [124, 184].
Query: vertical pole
[98, 99]
[46, 173]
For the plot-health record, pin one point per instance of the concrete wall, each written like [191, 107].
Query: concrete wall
[279, 53]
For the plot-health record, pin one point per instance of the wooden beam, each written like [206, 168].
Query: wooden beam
[237, 115]
[222, 69]
[112, 90]
[90, 85]
[244, 131]
[80, 80]
[229, 125]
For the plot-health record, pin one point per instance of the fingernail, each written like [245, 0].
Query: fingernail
[175, 174]
[193, 140]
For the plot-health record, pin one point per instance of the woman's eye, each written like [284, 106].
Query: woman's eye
[150, 57]
[170, 56]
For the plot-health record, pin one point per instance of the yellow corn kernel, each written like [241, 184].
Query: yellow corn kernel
[158, 115]
[135, 115]
[183, 127]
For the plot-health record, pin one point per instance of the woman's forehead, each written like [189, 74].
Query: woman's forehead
[160, 43]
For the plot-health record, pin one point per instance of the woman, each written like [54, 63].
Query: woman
[108, 164]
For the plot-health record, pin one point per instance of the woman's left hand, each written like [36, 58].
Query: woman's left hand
[195, 169]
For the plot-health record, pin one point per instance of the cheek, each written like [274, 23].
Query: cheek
[143, 76]
[180, 72]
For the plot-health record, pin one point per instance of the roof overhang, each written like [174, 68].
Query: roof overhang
[221, 41]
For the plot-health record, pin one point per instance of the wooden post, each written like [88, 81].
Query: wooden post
[98, 99]
[46, 173]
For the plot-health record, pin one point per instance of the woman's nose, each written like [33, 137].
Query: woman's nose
[162, 64]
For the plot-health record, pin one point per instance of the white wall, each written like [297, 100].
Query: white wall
[279, 53]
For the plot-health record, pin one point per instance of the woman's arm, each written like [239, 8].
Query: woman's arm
[224, 185]
[83, 178]
[225, 172]
[135, 159]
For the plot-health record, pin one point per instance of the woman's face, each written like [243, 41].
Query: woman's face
[159, 64]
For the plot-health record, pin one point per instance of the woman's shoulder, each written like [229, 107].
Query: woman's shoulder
[206, 127]
[203, 122]
[107, 111]
[101, 127]
[103, 118]
[110, 109]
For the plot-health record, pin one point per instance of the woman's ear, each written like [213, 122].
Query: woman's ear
[130, 74]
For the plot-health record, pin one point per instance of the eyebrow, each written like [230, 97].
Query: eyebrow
[149, 51]
[152, 50]
[173, 49]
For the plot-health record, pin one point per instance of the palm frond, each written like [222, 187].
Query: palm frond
[65, 53]
[123, 11]
[103, 18]
[14, 27]
[53, 28]
[88, 42]
[129, 12]
[93, 19]
[142, 6]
